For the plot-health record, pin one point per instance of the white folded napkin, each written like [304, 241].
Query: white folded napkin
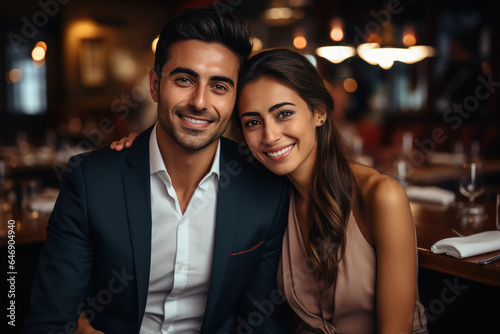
[461, 247]
[430, 194]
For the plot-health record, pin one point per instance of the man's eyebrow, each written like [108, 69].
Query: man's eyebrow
[273, 108]
[185, 71]
[223, 79]
[196, 75]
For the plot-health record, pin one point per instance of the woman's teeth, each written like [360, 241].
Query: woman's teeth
[280, 152]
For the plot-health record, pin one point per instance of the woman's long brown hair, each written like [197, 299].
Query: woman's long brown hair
[332, 181]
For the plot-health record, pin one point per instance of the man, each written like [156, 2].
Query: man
[178, 234]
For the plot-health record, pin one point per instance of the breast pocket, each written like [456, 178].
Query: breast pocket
[246, 255]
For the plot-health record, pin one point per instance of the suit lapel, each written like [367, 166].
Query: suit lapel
[228, 200]
[136, 185]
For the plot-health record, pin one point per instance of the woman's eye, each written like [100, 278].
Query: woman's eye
[251, 123]
[285, 113]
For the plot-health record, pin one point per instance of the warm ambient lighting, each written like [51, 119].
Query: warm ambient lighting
[335, 54]
[154, 43]
[337, 31]
[38, 53]
[14, 75]
[385, 57]
[279, 13]
[256, 44]
[384, 53]
[299, 39]
[350, 85]
[42, 44]
[409, 36]
[300, 42]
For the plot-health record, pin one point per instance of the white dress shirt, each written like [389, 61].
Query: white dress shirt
[182, 249]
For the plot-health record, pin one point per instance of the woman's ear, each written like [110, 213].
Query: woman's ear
[320, 116]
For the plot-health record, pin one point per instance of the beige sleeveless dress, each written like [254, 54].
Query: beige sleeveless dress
[350, 307]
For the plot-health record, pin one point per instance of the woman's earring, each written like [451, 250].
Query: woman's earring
[322, 121]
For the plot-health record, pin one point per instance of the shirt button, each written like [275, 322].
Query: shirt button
[183, 221]
[165, 328]
[179, 267]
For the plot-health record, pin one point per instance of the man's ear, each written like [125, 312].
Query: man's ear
[153, 84]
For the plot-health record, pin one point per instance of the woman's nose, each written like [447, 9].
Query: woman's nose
[271, 134]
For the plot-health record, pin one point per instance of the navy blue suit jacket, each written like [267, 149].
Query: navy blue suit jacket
[96, 257]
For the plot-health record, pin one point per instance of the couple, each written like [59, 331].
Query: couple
[139, 241]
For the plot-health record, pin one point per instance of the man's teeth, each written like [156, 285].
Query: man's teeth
[192, 120]
[280, 152]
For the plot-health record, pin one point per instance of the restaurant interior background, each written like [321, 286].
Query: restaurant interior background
[73, 77]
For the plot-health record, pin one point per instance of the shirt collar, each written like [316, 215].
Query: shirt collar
[157, 164]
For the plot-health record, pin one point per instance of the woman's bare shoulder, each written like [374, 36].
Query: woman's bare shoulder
[377, 189]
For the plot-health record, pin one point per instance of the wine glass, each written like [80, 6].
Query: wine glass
[472, 185]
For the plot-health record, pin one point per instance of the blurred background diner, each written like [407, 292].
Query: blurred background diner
[416, 86]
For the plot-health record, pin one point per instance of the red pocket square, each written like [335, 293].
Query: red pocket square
[248, 250]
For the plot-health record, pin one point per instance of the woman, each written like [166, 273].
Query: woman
[349, 255]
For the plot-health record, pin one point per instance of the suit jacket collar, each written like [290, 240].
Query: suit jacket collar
[228, 200]
[137, 192]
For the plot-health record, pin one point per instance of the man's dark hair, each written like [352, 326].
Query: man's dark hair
[206, 25]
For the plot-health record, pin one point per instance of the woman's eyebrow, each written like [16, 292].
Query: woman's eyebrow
[273, 108]
[279, 105]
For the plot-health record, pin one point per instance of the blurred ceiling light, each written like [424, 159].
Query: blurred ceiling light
[386, 53]
[350, 85]
[299, 39]
[14, 75]
[256, 44]
[385, 57]
[83, 29]
[38, 53]
[336, 54]
[154, 43]
[337, 31]
[409, 36]
[42, 44]
[300, 42]
[279, 13]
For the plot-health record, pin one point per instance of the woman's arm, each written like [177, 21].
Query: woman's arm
[393, 235]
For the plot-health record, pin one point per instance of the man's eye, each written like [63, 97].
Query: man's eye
[220, 87]
[183, 80]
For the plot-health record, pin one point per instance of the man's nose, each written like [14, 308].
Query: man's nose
[199, 98]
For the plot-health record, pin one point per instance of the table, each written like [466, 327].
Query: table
[434, 222]
[29, 227]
